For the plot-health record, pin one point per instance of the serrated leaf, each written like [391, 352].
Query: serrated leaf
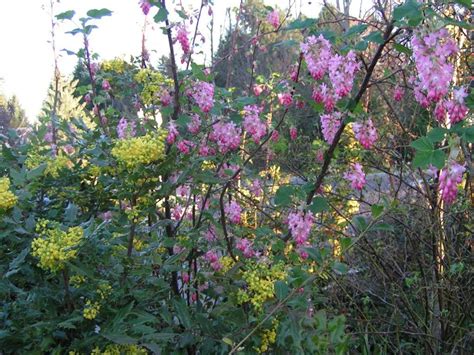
[318, 205]
[283, 195]
[436, 134]
[423, 159]
[281, 289]
[99, 13]
[423, 144]
[66, 15]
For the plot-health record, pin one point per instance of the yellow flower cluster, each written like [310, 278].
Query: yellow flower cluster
[54, 165]
[104, 290]
[54, 246]
[227, 262]
[152, 82]
[268, 337]
[7, 198]
[76, 280]
[91, 310]
[260, 281]
[140, 150]
[116, 65]
[127, 349]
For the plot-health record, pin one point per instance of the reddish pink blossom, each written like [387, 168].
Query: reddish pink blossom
[233, 211]
[356, 176]
[185, 277]
[87, 98]
[300, 224]
[203, 94]
[185, 146]
[172, 133]
[145, 6]
[245, 246]
[106, 85]
[365, 133]
[165, 97]
[456, 107]
[212, 258]
[252, 123]
[177, 212]
[273, 19]
[330, 124]
[256, 187]
[226, 136]
[293, 133]
[275, 136]
[258, 89]
[440, 111]
[195, 124]
[317, 54]
[125, 129]
[182, 38]
[285, 99]
[449, 178]
[398, 93]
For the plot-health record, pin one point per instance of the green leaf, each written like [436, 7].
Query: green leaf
[319, 205]
[375, 37]
[357, 29]
[99, 13]
[18, 260]
[340, 268]
[410, 11]
[36, 172]
[66, 15]
[466, 3]
[468, 134]
[402, 49]
[376, 210]
[436, 134]
[283, 195]
[162, 15]
[18, 177]
[361, 46]
[383, 227]
[434, 157]
[70, 214]
[301, 24]
[182, 313]
[423, 144]
[281, 289]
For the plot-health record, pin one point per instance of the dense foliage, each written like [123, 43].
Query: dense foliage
[307, 191]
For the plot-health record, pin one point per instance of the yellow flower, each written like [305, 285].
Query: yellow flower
[140, 150]
[7, 198]
[54, 247]
[91, 310]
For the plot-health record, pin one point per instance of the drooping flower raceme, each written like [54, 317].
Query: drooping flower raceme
[273, 19]
[449, 178]
[317, 54]
[125, 129]
[365, 133]
[145, 6]
[300, 224]
[330, 124]
[252, 123]
[293, 133]
[245, 246]
[203, 94]
[172, 133]
[226, 136]
[456, 107]
[431, 53]
[195, 124]
[285, 99]
[182, 38]
[356, 176]
[233, 211]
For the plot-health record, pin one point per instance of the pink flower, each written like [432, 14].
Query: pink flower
[275, 136]
[449, 178]
[273, 19]
[365, 133]
[182, 38]
[210, 234]
[256, 187]
[212, 258]
[125, 129]
[87, 98]
[285, 99]
[233, 211]
[456, 107]
[185, 277]
[319, 156]
[145, 6]
[226, 136]
[205, 150]
[258, 89]
[398, 93]
[172, 133]
[106, 85]
[203, 95]
[440, 111]
[317, 54]
[195, 124]
[252, 123]
[293, 133]
[245, 246]
[177, 212]
[185, 146]
[165, 97]
[300, 225]
[106, 216]
[356, 176]
[330, 124]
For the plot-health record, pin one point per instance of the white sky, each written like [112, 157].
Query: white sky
[26, 58]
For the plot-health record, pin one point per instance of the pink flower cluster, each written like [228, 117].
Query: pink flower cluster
[203, 94]
[341, 70]
[226, 136]
[365, 133]
[252, 123]
[212, 258]
[456, 107]
[256, 188]
[330, 124]
[125, 129]
[273, 19]
[431, 54]
[233, 211]
[165, 97]
[185, 146]
[182, 38]
[245, 246]
[145, 6]
[172, 133]
[398, 93]
[293, 133]
[300, 224]
[195, 124]
[285, 99]
[449, 178]
[356, 176]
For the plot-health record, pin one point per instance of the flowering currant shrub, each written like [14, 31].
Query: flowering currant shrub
[306, 190]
